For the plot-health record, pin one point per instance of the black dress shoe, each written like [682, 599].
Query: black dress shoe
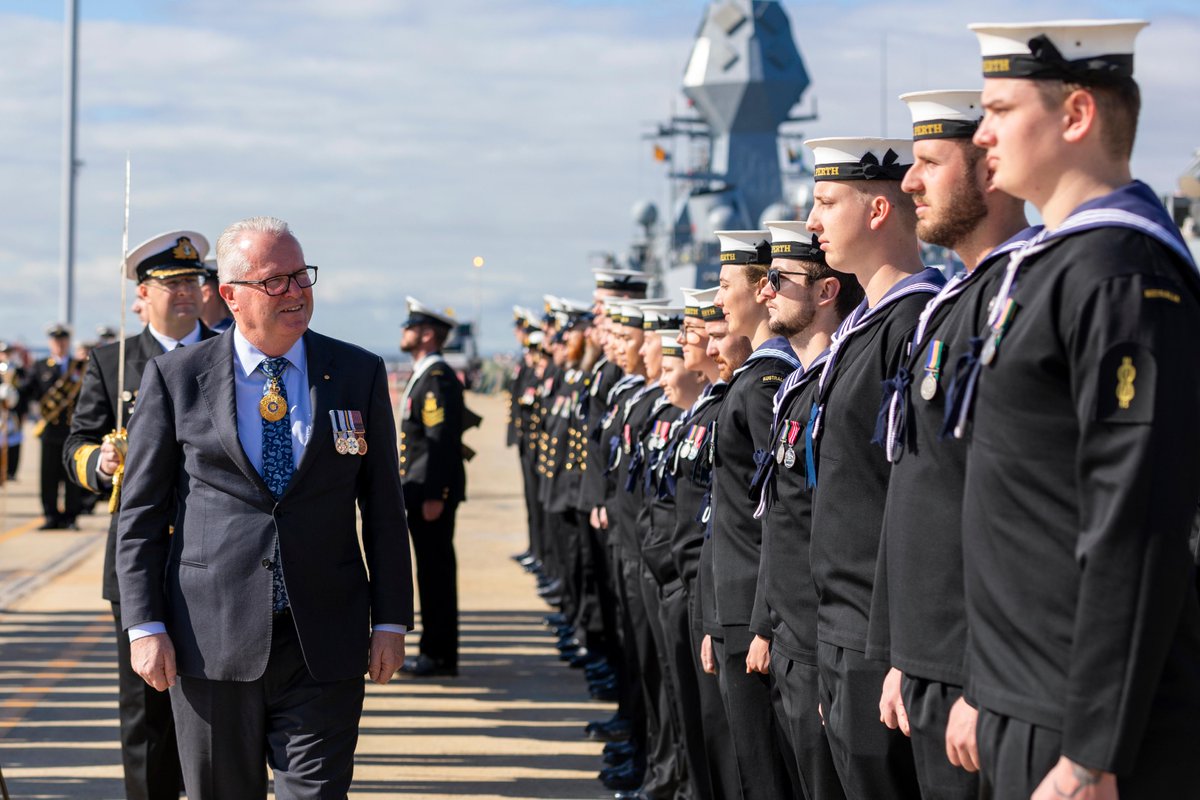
[636, 794]
[605, 695]
[553, 587]
[615, 719]
[621, 749]
[425, 667]
[627, 778]
[568, 643]
[619, 731]
[51, 524]
[554, 620]
[519, 557]
[592, 662]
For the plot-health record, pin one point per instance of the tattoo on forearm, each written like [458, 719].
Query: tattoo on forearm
[1087, 778]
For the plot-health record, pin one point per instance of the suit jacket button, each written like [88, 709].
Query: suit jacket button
[266, 563]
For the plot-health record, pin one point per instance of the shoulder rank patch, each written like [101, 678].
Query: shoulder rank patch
[432, 414]
[1127, 377]
[772, 379]
[1161, 294]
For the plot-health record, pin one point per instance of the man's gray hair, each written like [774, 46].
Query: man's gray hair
[231, 259]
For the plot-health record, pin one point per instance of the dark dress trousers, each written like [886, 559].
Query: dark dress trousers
[431, 467]
[254, 686]
[148, 749]
[49, 385]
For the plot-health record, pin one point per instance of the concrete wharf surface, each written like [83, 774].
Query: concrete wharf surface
[509, 726]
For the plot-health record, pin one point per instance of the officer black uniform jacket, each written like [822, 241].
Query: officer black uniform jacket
[852, 475]
[741, 442]
[594, 485]
[1081, 487]
[431, 428]
[629, 497]
[785, 600]
[689, 477]
[918, 620]
[566, 446]
[524, 394]
[516, 388]
[547, 385]
[47, 381]
[656, 519]
[96, 417]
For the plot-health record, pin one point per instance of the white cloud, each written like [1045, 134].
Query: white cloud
[401, 139]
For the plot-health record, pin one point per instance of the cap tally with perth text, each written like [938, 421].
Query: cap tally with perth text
[1086, 51]
[421, 314]
[791, 239]
[948, 114]
[744, 247]
[843, 158]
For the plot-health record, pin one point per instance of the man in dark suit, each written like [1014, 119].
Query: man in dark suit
[431, 463]
[167, 269]
[257, 611]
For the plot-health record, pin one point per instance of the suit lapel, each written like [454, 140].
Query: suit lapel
[217, 388]
[319, 364]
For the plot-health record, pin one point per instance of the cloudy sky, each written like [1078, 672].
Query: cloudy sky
[401, 139]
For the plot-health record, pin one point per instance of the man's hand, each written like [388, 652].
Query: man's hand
[153, 657]
[599, 518]
[110, 458]
[707, 660]
[759, 657]
[1070, 780]
[891, 707]
[432, 509]
[961, 748]
[387, 655]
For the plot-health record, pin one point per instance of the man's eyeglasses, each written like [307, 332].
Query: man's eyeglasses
[774, 280]
[691, 335]
[279, 284]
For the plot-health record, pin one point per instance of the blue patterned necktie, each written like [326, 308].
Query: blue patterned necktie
[277, 464]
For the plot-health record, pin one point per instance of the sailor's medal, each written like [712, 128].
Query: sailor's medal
[933, 368]
[356, 440]
[272, 406]
[627, 439]
[781, 451]
[992, 343]
[789, 457]
[339, 444]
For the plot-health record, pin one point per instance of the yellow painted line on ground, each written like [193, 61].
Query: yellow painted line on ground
[27, 697]
[26, 528]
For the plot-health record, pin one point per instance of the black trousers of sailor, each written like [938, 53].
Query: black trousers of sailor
[229, 731]
[677, 650]
[756, 738]
[1015, 757]
[873, 761]
[54, 475]
[928, 704]
[796, 699]
[437, 579]
[149, 753]
[669, 768]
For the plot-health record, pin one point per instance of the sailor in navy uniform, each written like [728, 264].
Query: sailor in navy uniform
[740, 443]
[214, 313]
[52, 387]
[917, 612]
[806, 301]
[168, 269]
[865, 224]
[434, 479]
[1084, 647]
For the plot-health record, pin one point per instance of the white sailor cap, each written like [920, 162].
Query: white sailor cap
[421, 314]
[670, 342]
[744, 247]
[167, 255]
[949, 114]
[535, 339]
[701, 304]
[661, 317]
[628, 314]
[791, 239]
[622, 280]
[1086, 51]
[860, 159]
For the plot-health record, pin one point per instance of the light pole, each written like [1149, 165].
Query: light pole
[66, 295]
[477, 263]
